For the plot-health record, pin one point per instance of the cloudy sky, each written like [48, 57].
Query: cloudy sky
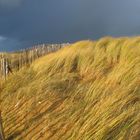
[24, 23]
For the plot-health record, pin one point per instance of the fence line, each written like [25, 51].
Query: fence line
[10, 62]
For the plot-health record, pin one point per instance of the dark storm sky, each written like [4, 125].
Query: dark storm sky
[27, 22]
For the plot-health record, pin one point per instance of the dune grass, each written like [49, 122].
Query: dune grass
[87, 91]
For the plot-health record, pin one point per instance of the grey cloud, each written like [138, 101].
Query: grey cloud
[2, 38]
[10, 3]
[52, 21]
[10, 44]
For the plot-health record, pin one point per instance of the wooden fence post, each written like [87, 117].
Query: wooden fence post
[1, 67]
[2, 136]
[4, 67]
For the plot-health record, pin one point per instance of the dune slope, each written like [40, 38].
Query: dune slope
[87, 91]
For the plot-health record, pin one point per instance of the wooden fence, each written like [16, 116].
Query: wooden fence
[14, 61]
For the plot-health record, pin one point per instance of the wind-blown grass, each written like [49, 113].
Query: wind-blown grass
[87, 91]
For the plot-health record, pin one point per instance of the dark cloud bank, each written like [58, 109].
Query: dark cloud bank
[27, 22]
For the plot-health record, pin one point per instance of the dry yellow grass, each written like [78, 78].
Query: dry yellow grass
[87, 91]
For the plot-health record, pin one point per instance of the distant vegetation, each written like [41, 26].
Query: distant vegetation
[87, 91]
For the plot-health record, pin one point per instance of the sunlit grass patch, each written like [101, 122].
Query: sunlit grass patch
[87, 91]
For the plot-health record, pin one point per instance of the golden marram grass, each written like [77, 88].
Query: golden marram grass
[89, 90]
